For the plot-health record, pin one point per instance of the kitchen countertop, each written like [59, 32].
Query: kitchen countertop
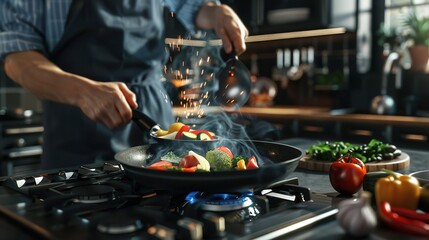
[418, 161]
[319, 184]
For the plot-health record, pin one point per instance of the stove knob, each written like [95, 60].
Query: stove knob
[112, 167]
[17, 183]
[161, 232]
[194, 227]
[66, 175]
[20, 142]
[38, 180]
[214, 225]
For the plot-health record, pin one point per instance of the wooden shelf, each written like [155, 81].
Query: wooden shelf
[277, 114]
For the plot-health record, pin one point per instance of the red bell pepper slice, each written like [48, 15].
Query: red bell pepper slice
[189, 169]
[160, 165]
[184, 128]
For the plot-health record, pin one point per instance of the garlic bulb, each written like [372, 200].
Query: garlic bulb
[356, 216]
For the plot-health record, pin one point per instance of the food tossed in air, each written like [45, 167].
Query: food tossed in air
[180, 131]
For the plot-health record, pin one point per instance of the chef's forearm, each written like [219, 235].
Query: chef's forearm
[33, 71]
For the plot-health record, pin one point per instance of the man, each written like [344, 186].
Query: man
[92, 62]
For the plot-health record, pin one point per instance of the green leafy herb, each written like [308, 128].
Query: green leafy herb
[375, 150]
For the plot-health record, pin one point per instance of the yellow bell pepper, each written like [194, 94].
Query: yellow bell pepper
[241, 165]
[398, 190]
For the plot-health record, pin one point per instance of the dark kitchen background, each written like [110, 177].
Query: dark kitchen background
[338, 67]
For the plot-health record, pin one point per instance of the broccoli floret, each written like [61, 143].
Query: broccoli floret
[218, 160]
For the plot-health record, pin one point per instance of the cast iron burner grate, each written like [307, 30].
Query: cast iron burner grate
[80, 198]
[118, 221]
[93, 193]
[36, 184]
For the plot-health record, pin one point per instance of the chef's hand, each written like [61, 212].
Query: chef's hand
[227, 25]
[109, 103]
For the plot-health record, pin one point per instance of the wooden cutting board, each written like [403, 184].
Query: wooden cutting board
[399, 163]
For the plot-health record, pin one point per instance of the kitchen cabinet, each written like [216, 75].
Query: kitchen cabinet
[412, 93]
[339, 61]
[20, 146]
[316, 129]
[358, 132]
[270, 16]
[309, 68]
[411, 136]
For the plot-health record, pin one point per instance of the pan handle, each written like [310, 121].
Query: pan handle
[144, 122]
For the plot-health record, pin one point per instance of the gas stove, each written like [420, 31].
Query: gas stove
[99, 201]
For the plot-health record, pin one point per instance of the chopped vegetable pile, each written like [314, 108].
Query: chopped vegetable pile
[181, 131]
[218, 159]
[375, 150]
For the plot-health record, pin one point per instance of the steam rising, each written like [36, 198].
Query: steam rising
[228, 133]
[193, 70]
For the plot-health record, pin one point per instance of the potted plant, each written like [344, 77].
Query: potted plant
[416, 30]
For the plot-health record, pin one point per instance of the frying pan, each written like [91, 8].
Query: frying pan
[276, 161]
[144, 122]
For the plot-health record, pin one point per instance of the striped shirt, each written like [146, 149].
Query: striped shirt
[39, 24]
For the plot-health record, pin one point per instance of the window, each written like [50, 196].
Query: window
[395, 10]
[395, 13]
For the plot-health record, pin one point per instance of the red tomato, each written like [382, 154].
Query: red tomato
[252, 163]
[160, 165]
[225, 150]
[188, 161]
[346, 175]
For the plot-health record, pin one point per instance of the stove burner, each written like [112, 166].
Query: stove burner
[121, 221]
[232, 207]
[93, 193]
[220, 202]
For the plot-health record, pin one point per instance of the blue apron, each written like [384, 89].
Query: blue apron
[107, 40]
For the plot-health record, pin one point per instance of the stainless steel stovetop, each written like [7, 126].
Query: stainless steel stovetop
[99, 201]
